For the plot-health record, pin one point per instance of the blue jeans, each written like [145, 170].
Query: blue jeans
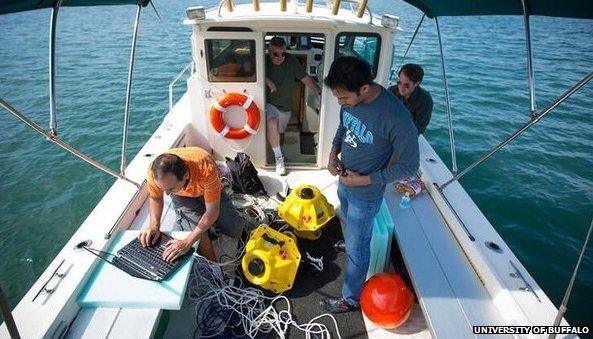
[359, 215]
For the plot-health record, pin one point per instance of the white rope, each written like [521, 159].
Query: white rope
[249, 306]
[317, 263]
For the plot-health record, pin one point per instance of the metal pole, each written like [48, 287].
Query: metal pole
[7, 315]
[533, 121]
[62, 144]
[562, 308]
[336, 7]
[124, 141]
[411, 41]
[449, 118]
[530, 76]
[361, 7]
[53, 122]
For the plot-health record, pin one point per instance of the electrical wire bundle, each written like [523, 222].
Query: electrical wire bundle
[224, 308]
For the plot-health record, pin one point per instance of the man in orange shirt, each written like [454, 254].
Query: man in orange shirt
[190, 176]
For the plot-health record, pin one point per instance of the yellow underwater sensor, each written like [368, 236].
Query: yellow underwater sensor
[271, 259]
[307, 211]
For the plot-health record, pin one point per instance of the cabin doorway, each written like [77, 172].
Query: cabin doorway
[300, 138]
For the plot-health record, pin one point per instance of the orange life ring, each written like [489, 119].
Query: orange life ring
[219, 107]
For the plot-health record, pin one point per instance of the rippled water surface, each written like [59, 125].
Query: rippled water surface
[538, 192]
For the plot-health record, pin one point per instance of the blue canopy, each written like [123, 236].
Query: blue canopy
[565, 8]
[11, 6]
[432, 8]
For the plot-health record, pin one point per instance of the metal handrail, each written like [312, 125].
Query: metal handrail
[513, 136]
[367, 9]
[65, 146]
[172, 83]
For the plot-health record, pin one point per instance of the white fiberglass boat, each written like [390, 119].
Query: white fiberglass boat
[462, 272]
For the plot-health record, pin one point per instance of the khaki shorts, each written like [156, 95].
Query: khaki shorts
[272, 112]
[189, 210]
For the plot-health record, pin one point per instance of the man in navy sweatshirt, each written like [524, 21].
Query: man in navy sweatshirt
[378, 143]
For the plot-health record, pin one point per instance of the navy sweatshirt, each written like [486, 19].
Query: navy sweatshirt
[369, 135]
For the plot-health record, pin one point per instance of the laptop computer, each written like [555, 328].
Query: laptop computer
[147, 262]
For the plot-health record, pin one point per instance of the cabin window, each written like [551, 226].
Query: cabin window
[230, 60]
[365, 46]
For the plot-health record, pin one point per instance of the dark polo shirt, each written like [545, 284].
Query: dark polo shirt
[419, 104]
[284, 77]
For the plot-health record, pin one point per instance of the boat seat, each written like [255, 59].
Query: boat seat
[449, 291]
[114, 322]
[106, 322]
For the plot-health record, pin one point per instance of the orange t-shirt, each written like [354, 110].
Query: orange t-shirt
[203, 175]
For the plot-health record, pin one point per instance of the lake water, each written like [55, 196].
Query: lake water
[537, 192]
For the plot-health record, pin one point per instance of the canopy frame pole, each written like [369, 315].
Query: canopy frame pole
[53, 122]
[520, 131]
[530, 74]
[449, 117]
[562, 309]
[411, 41]
[124, 142]
[62, 144]
[8, 318]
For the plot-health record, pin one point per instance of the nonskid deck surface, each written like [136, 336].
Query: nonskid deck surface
[310, 286]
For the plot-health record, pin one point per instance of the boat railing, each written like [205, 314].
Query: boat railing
[192, 69]
[333, 4]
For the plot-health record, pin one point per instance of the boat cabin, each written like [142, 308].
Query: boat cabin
[229, 50]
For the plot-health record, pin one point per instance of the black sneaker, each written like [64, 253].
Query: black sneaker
[337, 306]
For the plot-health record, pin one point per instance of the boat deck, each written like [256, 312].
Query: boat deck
[451, 298]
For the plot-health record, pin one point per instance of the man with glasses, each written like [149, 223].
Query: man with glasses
[374, 128]
[190, 176]
[282, 70]
[417, 100]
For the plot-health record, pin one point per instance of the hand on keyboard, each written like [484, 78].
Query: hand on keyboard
[176, 248]
[149, 236]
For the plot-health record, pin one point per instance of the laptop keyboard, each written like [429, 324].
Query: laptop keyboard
[150, 257]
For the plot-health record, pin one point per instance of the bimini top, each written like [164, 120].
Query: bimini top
[567, 8]
[11, 6]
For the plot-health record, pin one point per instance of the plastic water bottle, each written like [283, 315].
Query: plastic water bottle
[405, 201]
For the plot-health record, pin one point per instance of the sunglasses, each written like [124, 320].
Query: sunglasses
[406, 86]
[279, 55]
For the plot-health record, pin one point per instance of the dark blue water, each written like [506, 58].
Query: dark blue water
[537, 192]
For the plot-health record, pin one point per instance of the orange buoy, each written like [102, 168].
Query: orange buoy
[386, 300]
